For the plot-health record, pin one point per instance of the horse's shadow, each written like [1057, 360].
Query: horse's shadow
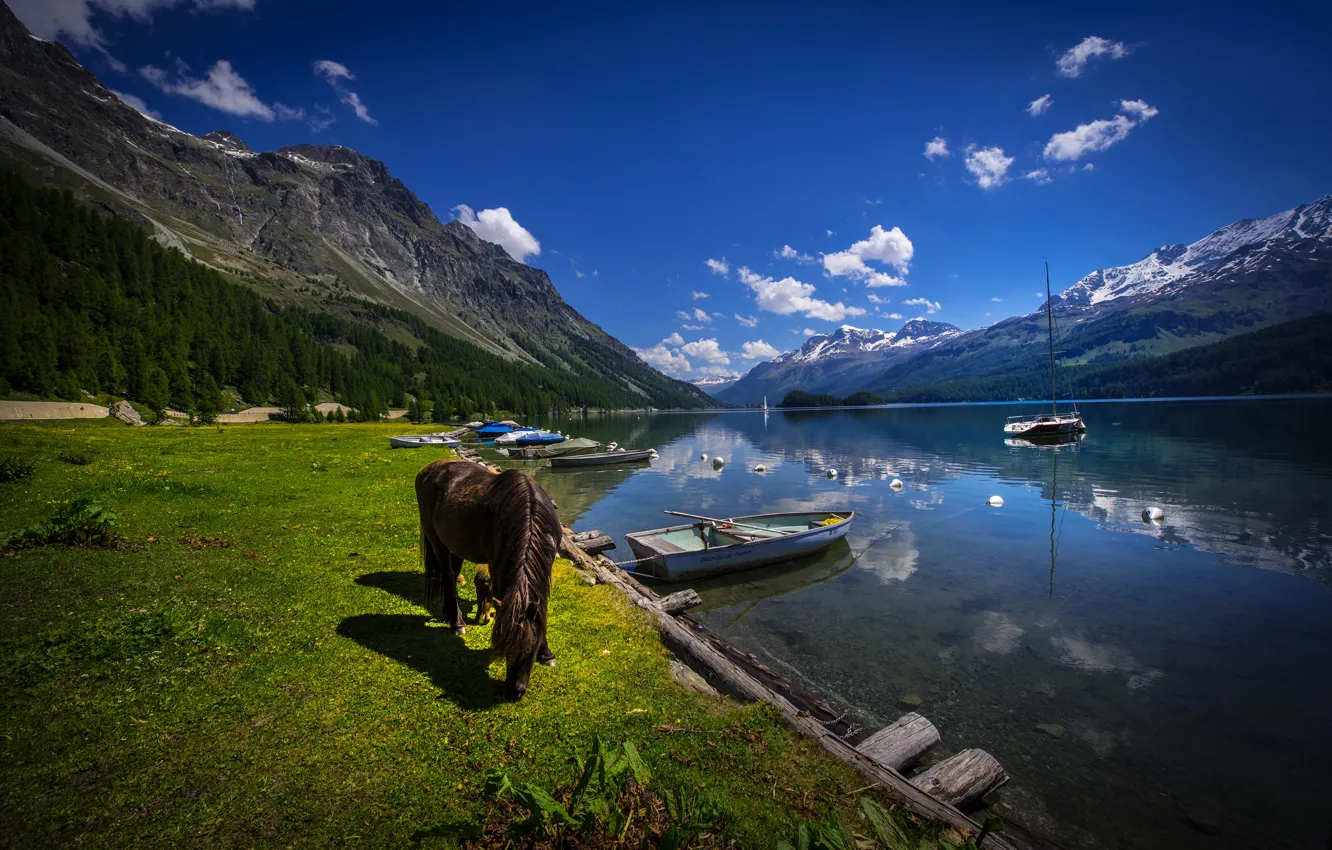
[424, 644]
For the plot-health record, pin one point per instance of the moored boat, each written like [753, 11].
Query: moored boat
[604, 458]
[714, 546]
[492, 429]
[418, 441]
[1053, 423]
[578, 445]
[529, 437]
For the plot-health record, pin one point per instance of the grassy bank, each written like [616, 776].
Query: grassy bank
[253, 665]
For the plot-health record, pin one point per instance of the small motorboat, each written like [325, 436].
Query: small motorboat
[1044, 425]
[578, 445]
[604, 458]
[710, 546]
[491, 430]
[529, 438]
[418, 441]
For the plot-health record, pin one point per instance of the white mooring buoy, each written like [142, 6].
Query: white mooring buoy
[995, 501]
[832, 473]
[703, 457]
[760, 468]
[1153, 514]
[718, 462]
[896, 484]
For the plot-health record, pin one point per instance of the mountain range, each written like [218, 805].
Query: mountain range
[1245, 276]
[305, 224]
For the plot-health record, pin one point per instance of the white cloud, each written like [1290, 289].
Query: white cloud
[758, 350]
[674, 339]
[1138, 109]
[1098, 135]
[874, 299]
[223, 89]
[498, 226]
[930, 306]
[789, 253]
[883, 246]
[1039, 105]
[809, 332]
[1089, 167]
[670, 361]
[701, 316]
[1075, 60]
[788, 295]
[988, 165]
[895, 315]
[830, 232]
[135, 102]
[996, 299]
[720, 267]
[707, 350]
[936, 147]
[51, 19]
[691, 327]
[335, 73]
[1040, 176]
[747, 321]
[696, 295]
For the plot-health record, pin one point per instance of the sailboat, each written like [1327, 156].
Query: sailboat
[1054, 423]
[765, 405]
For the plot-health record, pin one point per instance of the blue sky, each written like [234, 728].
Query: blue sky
[634, 145]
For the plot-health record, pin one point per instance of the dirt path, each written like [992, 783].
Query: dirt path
[50, 410]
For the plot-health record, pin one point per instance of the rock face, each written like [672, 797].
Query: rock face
[324, 218]
[123, 411]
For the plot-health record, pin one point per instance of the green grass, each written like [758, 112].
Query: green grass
[252, 664]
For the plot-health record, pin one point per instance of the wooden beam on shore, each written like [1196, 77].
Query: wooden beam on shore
[735, 680]
[962, 779]
[593, 542]
[680, 602]
[902, 744]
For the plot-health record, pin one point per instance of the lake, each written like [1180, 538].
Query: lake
[1180, 673]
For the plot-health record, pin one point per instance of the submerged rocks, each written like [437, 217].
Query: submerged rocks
[126, 413]
[1054, 730]
[911, 701]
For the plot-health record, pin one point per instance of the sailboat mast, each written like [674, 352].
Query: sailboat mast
[1049, 323]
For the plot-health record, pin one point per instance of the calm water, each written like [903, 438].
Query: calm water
[1190, 665]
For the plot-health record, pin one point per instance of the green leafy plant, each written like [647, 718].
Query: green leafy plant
[81, 522]
[76, 458]
[15, 468]
[832, 833]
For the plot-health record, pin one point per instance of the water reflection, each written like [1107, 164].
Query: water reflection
[1171, 672]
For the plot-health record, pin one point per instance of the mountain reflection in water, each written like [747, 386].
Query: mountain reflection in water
[1181, 661]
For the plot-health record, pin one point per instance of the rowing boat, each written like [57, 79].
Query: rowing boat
[604, 458]
[418, 441]
[716, 546]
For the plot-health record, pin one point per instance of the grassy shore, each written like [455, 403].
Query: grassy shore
[252, 665]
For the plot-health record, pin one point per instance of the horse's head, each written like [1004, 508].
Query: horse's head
[518, 672]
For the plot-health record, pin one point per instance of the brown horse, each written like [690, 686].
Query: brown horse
[504, 520]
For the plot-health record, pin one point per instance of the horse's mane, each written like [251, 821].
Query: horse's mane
[529, 531]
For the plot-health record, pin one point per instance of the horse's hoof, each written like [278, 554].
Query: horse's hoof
[460, 630]
[550, 662]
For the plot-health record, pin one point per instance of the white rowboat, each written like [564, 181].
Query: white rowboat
[714, 547]
[604, 458]
[418, 441]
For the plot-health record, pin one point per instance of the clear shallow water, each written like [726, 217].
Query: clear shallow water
[1190, 665]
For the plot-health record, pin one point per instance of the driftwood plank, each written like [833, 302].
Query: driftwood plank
[595, 545]
[738, 682]
[682, 601]
[901, 744]
[962, 779]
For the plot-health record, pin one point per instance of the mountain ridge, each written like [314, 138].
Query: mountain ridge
[305, 223]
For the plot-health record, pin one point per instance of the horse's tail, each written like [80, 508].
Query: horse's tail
[530, 530]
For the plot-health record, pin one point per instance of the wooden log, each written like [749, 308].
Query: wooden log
[738, 682]
[962, 779]
[681, 601]
[595, 545]
[901, 744]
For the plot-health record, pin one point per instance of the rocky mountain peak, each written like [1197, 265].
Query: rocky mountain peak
[918, 328]
[228, 140]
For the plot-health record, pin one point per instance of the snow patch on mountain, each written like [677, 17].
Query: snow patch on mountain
[848, 340]
[1168, 264]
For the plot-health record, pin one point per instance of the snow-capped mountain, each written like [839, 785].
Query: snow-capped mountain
[714, 384]
[836, 362]
[848, 341]
[1171, 264]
